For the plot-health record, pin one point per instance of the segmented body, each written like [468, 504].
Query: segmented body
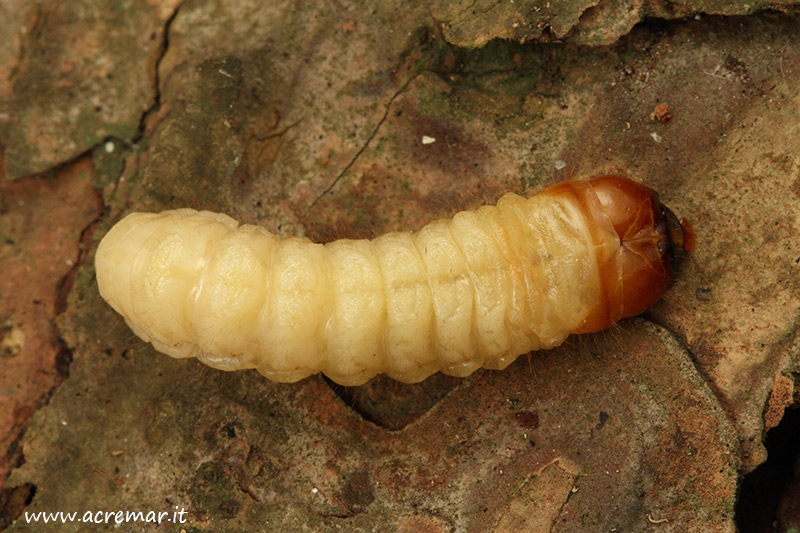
[474, 291]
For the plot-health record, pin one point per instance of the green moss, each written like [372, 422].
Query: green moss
[213, 491]
[491, 83]
[108, 159]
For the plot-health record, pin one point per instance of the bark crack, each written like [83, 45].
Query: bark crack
[162, 52]
[372, 135]
[572, 491]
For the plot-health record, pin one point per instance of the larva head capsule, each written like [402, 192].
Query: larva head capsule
[646, 239]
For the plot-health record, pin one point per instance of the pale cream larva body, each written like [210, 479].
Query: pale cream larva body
[474, 291]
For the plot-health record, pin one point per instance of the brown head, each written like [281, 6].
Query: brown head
[651, 243]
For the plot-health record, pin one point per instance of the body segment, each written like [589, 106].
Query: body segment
[474, 291]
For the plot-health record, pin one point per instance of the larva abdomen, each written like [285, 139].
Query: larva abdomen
[475, 291]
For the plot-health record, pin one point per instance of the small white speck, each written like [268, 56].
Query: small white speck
[225, 73]
[109, 146]
[560, 164]
[314, 490]
[656, 137]
[428, 140]
[63, 422]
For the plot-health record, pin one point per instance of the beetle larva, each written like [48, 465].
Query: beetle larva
[474, 291]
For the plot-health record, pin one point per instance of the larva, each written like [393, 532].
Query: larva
[474, 291]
